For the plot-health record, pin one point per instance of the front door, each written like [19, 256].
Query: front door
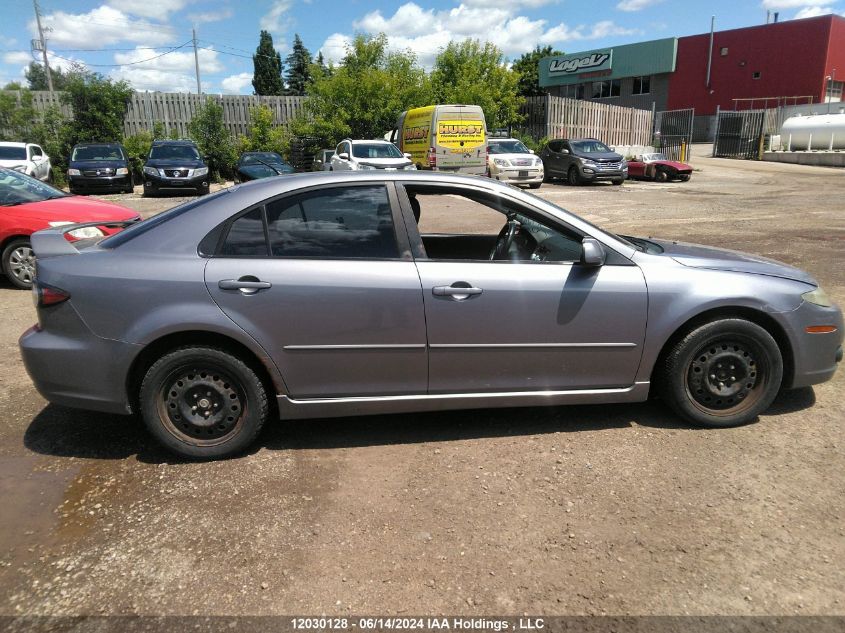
[320, 280]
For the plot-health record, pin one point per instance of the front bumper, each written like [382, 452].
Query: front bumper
[160, 183]
[593, 174]
[99, 183]
[518, 175]
[815, 356]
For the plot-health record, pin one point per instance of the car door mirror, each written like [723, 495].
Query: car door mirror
[592, 252]
[343, 156]
[564, 151]
[530, 151]
[407, 155]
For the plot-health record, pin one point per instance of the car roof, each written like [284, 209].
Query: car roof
[368, 140]
[500, 138]
[110, 144]
[14, 144]
[174, 142]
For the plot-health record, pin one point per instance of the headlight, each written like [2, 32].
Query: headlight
[121, 171]
[366, 167]
[152, 171]
[818, 297]
[588, 162]
[74, 172]
[501, 162]
[202, 171]
[411, 166]
[85, 232]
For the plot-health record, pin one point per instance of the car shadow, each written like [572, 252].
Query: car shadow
[64, 432]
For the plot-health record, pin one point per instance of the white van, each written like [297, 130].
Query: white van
[444, 138]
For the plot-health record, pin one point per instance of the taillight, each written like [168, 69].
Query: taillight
[432, 157]
[45, 295]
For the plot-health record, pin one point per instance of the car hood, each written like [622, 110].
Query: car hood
[697, 256]
[515, 157]
[163, 163]
[96, 164]
[74, 209]
[262, 171]
[381, 163]
[670, 163]
[600, 157]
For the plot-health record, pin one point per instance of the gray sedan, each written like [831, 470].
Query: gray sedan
[346, 294]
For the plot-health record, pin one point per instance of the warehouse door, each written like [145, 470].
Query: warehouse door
[673, 133]
[739, 134]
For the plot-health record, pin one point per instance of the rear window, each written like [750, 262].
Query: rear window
[12, 153]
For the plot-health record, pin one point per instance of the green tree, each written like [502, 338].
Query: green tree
[99, 106]
[36, 77]
[137, 148]
[469, 72]
[527, 66]
[298, 68]
[211, 136]
[267, 65]
[17, 115]
[264, 135]
[363, 96]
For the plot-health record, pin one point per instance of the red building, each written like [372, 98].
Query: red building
[785, 59]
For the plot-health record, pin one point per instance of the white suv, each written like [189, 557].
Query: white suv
[27, 158]
[510, 161]
[360, 155]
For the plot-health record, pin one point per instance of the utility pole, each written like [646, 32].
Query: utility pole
[710, 49]
[196, 61]
[43, 46]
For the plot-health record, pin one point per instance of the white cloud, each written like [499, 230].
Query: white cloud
[811, 12]
[7, 42]
[276, 20]
[156, 9]
[794, 4]
[17, 57]
[102, 27]
[409, 19]
[210, 16]
[173, 72]
[235, 84]
[334, 48]
[636, 5]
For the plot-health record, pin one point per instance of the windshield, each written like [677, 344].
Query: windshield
[12, 153]
[97, 152]
[375, 150]
[590, 147]
[17, 188]
[258, 158]
[508, 147]
[178, 152]
[651, 157]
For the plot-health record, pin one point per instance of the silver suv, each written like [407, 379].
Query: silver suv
[354, 155]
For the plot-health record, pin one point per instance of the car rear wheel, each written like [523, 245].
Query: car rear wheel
[723, 373]
[573, 177]
[203, 403]
[19, 263]
[661, 176]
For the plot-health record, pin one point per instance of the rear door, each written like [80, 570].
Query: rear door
[461, 139]
[324, 282]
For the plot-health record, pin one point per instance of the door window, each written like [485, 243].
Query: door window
[34, 151]
[246, 236]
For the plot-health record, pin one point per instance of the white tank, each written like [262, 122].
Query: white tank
[821, 126]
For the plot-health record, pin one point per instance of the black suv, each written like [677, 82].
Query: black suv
[99, 167]
[175, 166]
[583, 160]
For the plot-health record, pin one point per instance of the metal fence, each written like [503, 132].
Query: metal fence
[558, 117]
[740, 134]
[673, 132]
[175, 110]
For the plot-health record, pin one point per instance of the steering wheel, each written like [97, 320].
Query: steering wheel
[504, 240]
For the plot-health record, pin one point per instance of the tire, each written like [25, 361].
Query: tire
[535, 185]
[661, 176]
[684, 177]
[19, 263]
[618, 181]
[699, 379]
[176, 388]
[572, 176]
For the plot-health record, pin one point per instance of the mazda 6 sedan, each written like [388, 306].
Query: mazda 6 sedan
[338, 294]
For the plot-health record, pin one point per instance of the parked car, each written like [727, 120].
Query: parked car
[255, 165]
[174, 166]
[318, 293]
[354, 155]
[656, 166]
[323, 160]
[511, 161]
[28, 205]
[100, 167]
[449, 138]
[583, 160]
[26, 158]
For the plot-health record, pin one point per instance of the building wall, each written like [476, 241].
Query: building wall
[657, 95]
[791, 57]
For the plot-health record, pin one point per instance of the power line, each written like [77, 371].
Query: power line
[140, 61]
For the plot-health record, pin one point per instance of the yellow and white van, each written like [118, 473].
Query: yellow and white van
[444, 138]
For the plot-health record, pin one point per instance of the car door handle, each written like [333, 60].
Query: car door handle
[243, 284]
[458, 291]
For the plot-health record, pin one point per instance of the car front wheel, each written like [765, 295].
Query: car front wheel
[723, 373]
[203, 403]
[19, 263]
[573, 177]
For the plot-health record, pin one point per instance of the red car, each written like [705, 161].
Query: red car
[28, 205]
[657, 167]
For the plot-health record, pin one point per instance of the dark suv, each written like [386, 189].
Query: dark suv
[175, 166]
[99, 167]
[583, 160]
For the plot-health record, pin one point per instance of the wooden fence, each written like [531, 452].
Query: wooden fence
[175, 110]
[558, 117]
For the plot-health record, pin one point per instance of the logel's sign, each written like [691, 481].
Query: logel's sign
[580, 63]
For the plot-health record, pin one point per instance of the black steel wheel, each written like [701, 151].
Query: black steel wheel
[19, 263]
[661, 175]
[572, 176]
[723, 373]
[202, 402]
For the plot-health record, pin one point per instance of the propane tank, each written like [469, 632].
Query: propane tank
[815, 131]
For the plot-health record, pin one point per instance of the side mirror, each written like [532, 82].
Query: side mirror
[564, 151]
[613, 148]
[407, 155]
[530, 151]
[343, 156]
[592, 252]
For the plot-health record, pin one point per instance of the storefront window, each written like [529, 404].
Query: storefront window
[642, 85]
[615, 87]
[605, 89]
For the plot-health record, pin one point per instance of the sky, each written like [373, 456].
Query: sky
[148, 42]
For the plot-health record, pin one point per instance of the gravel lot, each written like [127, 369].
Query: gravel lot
[579, 510]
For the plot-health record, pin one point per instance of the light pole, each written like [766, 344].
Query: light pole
[831, 78]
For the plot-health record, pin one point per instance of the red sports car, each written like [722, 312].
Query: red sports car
[657, 167]
[28, 205]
